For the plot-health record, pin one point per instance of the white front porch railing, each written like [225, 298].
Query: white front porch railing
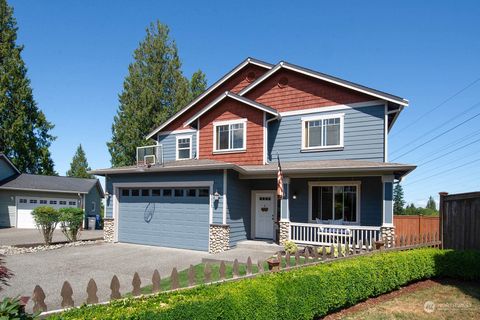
[327, 234]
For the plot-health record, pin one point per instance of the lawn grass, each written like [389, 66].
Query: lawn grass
[165, 283]
[451, 300]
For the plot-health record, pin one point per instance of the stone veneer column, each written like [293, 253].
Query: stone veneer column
[388, 235]
[219, 238]
[284, 232]
[109, 230]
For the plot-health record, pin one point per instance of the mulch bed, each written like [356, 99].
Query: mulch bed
[384, 297]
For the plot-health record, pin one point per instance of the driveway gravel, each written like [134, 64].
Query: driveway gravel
[77, 265]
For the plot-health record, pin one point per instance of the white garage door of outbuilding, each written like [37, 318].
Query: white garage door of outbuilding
[25, 206]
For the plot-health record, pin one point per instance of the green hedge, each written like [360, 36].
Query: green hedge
[303, 293]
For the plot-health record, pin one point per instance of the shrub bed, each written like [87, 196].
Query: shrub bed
[303, 293]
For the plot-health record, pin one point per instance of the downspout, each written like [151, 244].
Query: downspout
[278, 117]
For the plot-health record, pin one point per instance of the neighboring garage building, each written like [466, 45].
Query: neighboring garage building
[21, 193]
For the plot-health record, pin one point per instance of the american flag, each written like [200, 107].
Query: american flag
[279, 180]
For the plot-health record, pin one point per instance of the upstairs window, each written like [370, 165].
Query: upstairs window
[184, 147]
[323, 132]
[230, 135]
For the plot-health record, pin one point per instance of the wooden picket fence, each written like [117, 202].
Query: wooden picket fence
[282, 261]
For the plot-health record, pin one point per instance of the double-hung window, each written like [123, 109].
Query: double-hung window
[184, 147]
[335, 203]
[230, 135]
[322, 132]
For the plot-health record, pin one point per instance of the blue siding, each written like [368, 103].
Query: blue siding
[371, 204]
[179, 222]
[239, 208]
[363, 136]
[5, 169]
[170, 148]
[177, 214]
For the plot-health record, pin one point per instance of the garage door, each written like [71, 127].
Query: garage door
[169, 217]
[25, 206]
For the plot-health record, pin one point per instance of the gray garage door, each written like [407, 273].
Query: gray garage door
[169, 217]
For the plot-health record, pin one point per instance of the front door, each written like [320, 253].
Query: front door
[264, 215]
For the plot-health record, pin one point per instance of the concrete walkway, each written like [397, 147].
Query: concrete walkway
[50, 269]
[13, 236]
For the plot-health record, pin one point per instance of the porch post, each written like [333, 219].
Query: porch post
[284, 223]
[388, 229]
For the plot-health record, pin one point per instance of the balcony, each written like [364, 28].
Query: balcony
[150, 156]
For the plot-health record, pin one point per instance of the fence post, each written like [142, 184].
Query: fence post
[420, 218]
[441, 208]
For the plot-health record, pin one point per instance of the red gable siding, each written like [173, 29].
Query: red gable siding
[302, 92]
[236, 83]
[230, 109]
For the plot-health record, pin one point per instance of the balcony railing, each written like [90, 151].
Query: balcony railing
[150, 155]
[327, 234]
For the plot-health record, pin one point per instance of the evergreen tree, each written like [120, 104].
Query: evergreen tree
[24, 130]
[431, 204]
[79, 166]
[153, 91]
[398, 200]
[197, 84]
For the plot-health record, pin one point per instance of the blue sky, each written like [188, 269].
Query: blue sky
[77, 53]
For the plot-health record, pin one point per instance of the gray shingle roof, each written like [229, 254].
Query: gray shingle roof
[50, 183]
[291, 167]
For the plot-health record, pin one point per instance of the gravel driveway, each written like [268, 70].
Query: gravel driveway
[77, 265]
[50, 269]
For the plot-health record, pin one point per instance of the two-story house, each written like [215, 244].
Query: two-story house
[210, 180]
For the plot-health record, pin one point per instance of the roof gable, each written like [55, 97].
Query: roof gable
[236, 97]
[328, 78]
[216, 85]
[7, 168]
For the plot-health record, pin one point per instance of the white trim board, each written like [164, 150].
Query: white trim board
[209, 90]
[372, 103]
[181, 131]
[233, 96]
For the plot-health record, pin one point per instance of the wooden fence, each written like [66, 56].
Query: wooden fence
[415, 225]
[460, 220]
[282, 261]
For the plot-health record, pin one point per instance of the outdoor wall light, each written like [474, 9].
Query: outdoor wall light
[294, 197]
[216, 196]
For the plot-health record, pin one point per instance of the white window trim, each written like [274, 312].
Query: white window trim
[318, 118]
[190, 137]
[230, 122]
[333, 184]
[94, 207]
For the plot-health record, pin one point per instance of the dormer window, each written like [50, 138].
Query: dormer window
[322, 132]
[229, 135]
[184, 147]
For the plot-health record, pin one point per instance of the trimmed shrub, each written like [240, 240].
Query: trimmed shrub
[303, 293]
[71, 220]
[290, 247]
[46, 218]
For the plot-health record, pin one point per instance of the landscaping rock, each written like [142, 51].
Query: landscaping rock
[11, 250]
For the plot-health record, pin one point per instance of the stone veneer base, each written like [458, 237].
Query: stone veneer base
[388, 235]
[108, 230]
[219, 238]
[284, 228]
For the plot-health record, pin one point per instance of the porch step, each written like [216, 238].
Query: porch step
[259, 245]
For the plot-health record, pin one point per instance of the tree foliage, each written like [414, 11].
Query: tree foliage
[25, 132]
[411, 210]
[431, 204]
[79, 166]
[398, 200]
[154, 89]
